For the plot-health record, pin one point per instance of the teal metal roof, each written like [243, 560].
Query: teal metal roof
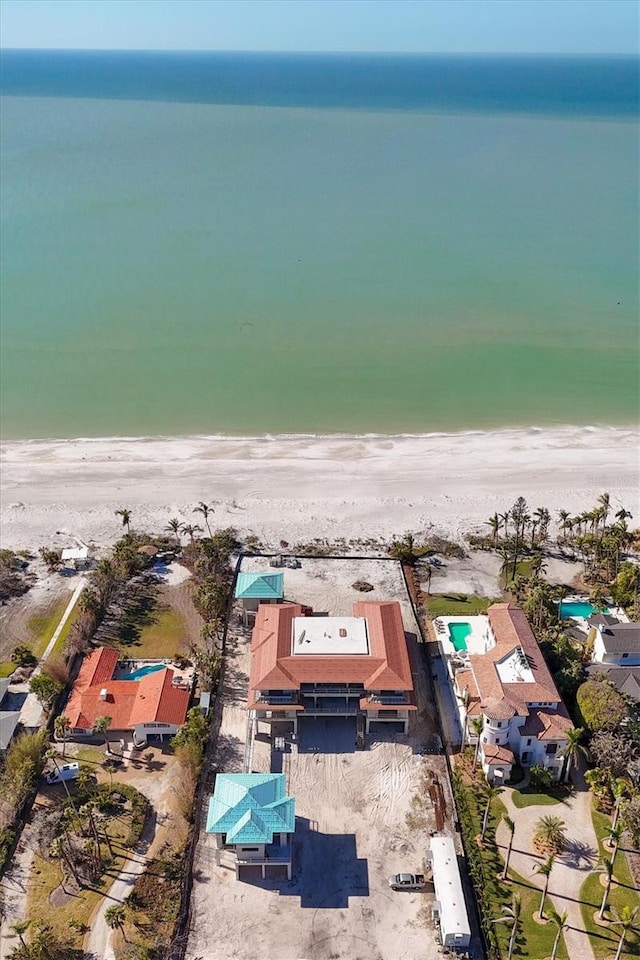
[251, 807]
[260, 586]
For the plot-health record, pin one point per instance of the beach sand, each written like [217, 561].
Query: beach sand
[300, 488]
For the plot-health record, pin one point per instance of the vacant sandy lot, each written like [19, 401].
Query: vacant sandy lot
[351, 808]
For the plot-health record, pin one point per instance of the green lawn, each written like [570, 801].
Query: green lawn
[605, 939]
[42, 626]
[6, 668]
[534, 940]
[158, 634]
[64, 633]
[524, 798]
[457, 604]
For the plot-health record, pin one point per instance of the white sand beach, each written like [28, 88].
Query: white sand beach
[299, 488]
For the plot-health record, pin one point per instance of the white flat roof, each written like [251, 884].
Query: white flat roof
[329, 636]
[448, 889]
[514, 668]
[75, 553]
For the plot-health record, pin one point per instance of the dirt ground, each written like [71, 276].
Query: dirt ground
[352, 831]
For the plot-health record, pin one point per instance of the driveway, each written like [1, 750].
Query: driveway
[571, 867]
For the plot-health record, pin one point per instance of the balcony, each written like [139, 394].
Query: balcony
[334, 690]
[340, 708]
[390, 698]
[279, 698]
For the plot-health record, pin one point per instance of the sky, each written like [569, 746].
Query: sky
[429, 26]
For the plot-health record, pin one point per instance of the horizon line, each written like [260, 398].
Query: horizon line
[327, 53]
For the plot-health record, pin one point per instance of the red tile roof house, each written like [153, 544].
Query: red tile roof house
[305, 665]
[511, 688]
[149, 708]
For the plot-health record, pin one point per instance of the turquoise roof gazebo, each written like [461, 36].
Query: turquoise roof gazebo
[260, 586]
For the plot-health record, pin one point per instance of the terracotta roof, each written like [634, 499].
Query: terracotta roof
[497, 709]
[151, 699]
[274, 667]
[494, 753]
[511, 630]
[547, 724]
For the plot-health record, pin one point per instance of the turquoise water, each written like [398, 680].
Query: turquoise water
[143, 671]
[345, 265]
[458, 633]
[576, 609]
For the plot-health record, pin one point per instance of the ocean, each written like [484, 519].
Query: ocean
[252, 244]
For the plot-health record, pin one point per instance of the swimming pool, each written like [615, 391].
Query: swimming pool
[143, 671]
[578, 608]
[458, 633]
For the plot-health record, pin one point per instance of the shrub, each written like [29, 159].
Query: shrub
[23, 657]
[45, 688]
[540, 778]
[601, 706]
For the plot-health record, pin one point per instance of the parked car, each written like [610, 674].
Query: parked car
[407, 881]
[66, 771]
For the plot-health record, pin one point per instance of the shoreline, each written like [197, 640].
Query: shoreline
[305, 486]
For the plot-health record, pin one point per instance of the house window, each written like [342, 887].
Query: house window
[624, 656]
[499, 723]
[528, 741]
[525, 757]
[250, 849]
[551, 749]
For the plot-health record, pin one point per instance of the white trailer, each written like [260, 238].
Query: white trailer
[449, 909]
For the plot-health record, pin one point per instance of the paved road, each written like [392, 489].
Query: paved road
[570, 869]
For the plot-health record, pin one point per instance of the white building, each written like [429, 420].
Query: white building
[449, 909]
[614, 643]
[501, 679]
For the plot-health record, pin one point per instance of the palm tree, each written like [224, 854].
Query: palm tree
[504, 518]
[174, 527]
[612, 840]
[605, 504]
[511, 917]
[205, 509]
[114, 918]
[126, 517]
[101, 725]
[490, 794]
[544, 869]
[625, 919]
[560, 920]
[550, 833]
[19, 928]
[494, 523]
[511, 827]
[564, 518]
[61, 727]
[606, 867]
[477, 726]
[573, 751]
[191, 529]
[620, 787]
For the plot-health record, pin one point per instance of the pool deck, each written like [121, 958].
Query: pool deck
[476, 641]
[126, 667]
[581, 622]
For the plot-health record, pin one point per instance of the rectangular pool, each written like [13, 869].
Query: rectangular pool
[458, 633]
[143, 671]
